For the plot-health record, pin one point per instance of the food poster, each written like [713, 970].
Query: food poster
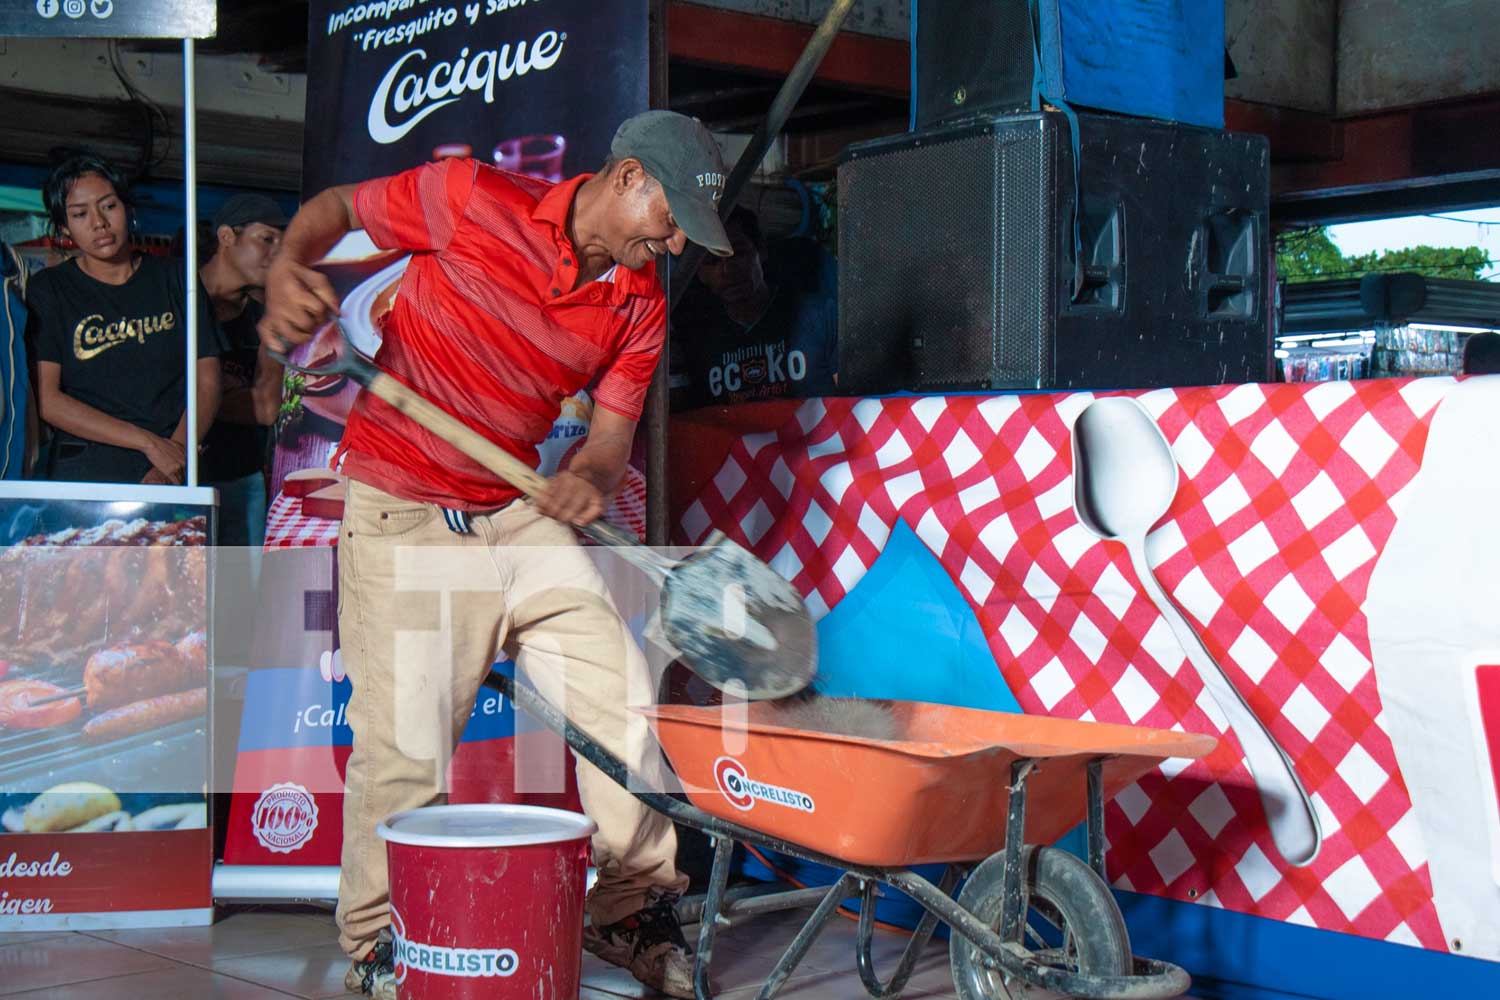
[534, 88]
[1323, 546]
[104, 706]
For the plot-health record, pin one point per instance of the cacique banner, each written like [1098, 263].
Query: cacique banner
[530, 86]
[535, 86]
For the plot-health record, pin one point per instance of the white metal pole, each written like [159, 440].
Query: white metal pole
[278, 882]
[190, 250]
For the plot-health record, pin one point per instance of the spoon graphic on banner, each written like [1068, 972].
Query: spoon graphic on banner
[1125, 477]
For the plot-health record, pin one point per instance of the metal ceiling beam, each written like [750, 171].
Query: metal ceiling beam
[843, 110]
[1295, 136]
[1419, 145]
[1440, 157]
[232, 149]
[769, 45]
[1361, 203]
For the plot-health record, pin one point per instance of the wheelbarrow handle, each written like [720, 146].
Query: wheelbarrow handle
[410, 403]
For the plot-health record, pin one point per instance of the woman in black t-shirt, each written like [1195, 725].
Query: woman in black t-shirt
[107, 331]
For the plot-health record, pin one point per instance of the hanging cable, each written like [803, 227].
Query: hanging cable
[1456, 218]
[154, 114]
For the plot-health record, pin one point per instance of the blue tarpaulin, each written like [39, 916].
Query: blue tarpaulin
[1153, 58]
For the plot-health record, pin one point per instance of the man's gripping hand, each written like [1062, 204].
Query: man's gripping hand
[572, 499]
[299, 300]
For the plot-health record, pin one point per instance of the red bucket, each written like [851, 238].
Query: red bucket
[487, 901]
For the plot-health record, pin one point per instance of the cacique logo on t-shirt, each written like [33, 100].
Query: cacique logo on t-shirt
[92, 336]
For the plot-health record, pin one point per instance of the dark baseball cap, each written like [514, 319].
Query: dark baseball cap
[685, 160]
[243, 209]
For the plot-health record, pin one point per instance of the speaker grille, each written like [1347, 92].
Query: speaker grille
[944, 276]
[972, 58]
[1024, 275]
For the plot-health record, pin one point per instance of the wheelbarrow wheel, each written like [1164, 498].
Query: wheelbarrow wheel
[1072, 922]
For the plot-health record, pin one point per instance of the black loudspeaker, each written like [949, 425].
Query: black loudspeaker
[971, 58]
[957, 264]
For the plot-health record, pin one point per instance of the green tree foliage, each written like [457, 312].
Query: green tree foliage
[1309, 255]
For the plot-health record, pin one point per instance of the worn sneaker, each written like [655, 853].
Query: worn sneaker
[375, 974]
[649, 945]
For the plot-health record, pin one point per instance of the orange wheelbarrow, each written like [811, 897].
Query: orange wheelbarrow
[981, 792]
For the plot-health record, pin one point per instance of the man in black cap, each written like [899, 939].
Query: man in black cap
[247, 234]
[519, 293]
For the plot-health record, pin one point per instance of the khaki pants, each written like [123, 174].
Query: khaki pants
[423, 613]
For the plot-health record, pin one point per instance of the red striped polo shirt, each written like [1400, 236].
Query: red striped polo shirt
[487, 325]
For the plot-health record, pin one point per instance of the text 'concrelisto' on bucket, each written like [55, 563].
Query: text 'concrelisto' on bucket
[442, 961]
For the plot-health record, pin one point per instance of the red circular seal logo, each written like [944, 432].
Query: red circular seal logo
[398, 949]
[732, 780]
[284, 817]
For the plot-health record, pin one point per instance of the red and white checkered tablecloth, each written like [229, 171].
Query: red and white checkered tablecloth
[1288, 494]
[288, 528]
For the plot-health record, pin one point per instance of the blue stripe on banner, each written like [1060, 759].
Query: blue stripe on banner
[1239, 957]
[1233, 956]
[294, 707]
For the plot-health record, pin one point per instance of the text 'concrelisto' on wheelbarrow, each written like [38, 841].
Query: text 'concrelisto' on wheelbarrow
[731, 618]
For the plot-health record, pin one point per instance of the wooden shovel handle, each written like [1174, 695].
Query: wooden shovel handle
[505, 465]
[350, 363]
[467, 440]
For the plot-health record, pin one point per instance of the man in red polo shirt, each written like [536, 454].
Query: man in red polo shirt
[519, 293]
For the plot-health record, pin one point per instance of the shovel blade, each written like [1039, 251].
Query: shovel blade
[737, 624]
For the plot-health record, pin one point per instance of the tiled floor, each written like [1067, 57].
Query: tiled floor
[264, 953]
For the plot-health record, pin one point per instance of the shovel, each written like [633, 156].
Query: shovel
[733, 620]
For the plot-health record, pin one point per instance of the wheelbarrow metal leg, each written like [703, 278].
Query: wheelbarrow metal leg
[959, 920]
[797, 950]
[748, 902]
[1096, 816]
[914, 947]
[713, 906]
[1013, 912]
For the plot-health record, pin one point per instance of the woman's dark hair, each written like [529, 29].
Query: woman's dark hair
[66, 174]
